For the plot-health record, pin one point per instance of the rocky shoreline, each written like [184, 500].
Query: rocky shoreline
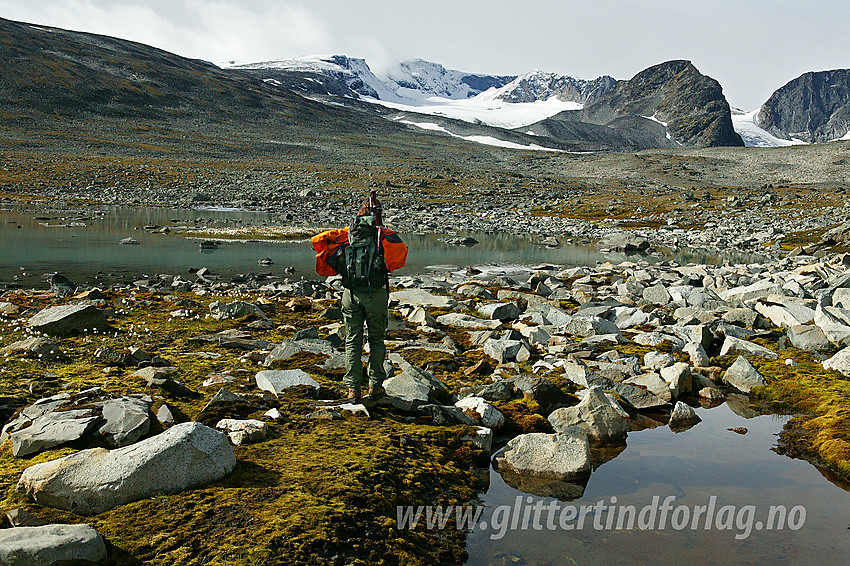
[564, 361]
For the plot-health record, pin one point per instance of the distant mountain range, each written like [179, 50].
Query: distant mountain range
[53, 72]
[811, 109]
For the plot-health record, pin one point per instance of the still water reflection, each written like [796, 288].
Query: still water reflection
[707, 460]
[83, 243]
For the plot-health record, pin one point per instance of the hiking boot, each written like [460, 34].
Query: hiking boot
[354, 394]
[376, 392]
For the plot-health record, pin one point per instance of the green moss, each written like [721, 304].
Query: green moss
[523, 416]
[820, 399]
[314, 490]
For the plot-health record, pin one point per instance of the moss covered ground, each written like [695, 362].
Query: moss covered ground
[819, 399]
[315, 492]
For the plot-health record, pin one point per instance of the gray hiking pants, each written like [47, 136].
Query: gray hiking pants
[369, 306]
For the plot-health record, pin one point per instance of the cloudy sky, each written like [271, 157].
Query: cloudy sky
[751, 46]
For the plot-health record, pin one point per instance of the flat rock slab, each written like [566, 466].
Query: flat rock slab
[35, 346]
[68, 319]
[278, 381]
[467, 321]
[733, 345]
[51, 544]
[236, 309]
[51, 430]
[418, 297]
[92, 481]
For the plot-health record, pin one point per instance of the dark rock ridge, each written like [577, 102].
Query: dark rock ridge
[633, 113]
[341, 76]
[814, 107]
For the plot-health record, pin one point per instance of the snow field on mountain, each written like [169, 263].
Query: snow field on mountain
[754, 136]
[485, 140]
[494, 113]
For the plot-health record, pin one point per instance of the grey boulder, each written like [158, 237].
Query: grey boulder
[595, 415]
[500, 311]
[733, 345]
[92, 481]
[51, 545]
[808, 337]
[127, 420]
[839, 362]
[683, 417]
[743, 376]
[278, 381]
[68, 319]
[563, 456]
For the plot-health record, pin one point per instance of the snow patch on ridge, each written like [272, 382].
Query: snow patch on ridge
[485, 140]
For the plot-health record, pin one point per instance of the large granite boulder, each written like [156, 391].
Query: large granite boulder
[595, 415]
[92, 481]
[68, 319]
[51, 545]
[563, 456]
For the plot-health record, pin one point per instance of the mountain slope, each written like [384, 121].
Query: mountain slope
[49, 72]
[663, 106]
[336, 75]
[814, 107]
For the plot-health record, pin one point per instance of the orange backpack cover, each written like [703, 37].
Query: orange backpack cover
[326, 243]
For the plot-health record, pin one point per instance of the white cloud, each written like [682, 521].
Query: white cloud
[216, 31]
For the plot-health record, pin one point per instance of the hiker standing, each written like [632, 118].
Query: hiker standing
[364, 253]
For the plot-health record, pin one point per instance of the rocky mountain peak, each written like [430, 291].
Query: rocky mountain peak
[689, 104]
[540, 85]
[434, 79]
[814, 107]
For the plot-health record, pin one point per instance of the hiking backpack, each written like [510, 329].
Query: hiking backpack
[361, 260]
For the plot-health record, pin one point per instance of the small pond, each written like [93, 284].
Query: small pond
[704, 461]
[84, 243]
